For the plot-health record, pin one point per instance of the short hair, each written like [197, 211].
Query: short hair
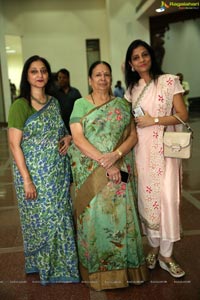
[63, 71]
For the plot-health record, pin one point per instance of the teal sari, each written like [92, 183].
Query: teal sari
[108, 235]
[47, 222]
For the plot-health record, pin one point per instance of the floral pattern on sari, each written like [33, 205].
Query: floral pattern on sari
[47, 223]
[108, 233]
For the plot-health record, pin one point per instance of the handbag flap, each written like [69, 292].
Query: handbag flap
[183, 139]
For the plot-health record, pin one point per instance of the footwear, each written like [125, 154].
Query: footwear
[151, 260]
[172, 267]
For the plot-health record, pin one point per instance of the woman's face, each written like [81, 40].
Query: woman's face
[37, 74]
[140, 60]
[101, 78]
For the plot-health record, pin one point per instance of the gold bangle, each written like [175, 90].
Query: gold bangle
[119, 152]
[29, 182]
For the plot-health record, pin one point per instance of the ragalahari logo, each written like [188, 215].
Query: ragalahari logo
[180, 5]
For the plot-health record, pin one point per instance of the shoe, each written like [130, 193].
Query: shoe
[151, 260]
[172, 267]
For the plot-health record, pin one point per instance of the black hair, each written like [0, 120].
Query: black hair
[118, 84]
[98, 62]
[25, 89]
[132, 77]
[63, 71]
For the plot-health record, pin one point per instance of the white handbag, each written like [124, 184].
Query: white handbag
[178, 144]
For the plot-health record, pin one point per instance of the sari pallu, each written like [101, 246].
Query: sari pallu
[108, 235]
[46, 222]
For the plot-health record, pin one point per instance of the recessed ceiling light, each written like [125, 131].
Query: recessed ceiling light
[160, 9]
[10, 51]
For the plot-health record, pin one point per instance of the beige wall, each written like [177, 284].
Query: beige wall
[57, 30]
[5, 97]
[182, 44]
[123, 28]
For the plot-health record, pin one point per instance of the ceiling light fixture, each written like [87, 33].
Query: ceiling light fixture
[10, 51]
[160, 9]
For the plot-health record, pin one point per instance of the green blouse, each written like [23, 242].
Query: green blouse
[81, 107]
[19, 112]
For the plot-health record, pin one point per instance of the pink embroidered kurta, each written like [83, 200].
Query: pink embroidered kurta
[159, 178]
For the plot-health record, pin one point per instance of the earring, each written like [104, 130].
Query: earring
[132, 69]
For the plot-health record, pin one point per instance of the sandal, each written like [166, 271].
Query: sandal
[151, 260]
[172, 267]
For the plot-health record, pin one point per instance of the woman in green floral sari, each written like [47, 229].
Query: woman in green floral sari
[109, 241]
[38, 141]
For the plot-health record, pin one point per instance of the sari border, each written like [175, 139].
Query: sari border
[112, 279]
[95, 182]
[97, 107]
[92, 186]
[39, 112]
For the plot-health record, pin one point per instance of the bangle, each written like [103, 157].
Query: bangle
[29, 182]
[119, 152]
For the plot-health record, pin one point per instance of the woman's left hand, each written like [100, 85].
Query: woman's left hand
[114, 174]
[144, 121]
[64, 144]
[107, 160]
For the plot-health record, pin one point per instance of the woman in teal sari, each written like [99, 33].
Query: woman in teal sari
[108, 236]
[38, 141]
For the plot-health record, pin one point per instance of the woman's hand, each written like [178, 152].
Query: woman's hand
[30, 190]
[64, 144]
[144, 121]
[179, 107]
[107, 160]
[114, 174]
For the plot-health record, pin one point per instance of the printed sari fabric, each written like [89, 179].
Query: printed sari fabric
[47, 222]
[108, 235]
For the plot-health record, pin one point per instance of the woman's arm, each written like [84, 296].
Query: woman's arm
[108, 159]
[82, 143]
[179, 107]
[14, 138]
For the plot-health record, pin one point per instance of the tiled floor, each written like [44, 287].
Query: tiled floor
[15, 285]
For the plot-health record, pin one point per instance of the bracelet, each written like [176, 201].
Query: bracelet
[119, 152]
[29, 182]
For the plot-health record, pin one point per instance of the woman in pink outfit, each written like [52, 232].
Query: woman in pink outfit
[155, 98]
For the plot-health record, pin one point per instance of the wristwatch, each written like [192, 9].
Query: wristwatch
[156, 120]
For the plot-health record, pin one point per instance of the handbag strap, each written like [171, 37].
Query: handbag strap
[185, 124]
[142, 93]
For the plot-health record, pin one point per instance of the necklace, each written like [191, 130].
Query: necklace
[38, 101]
[93, 98]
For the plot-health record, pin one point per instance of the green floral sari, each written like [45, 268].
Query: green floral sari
[109, 241]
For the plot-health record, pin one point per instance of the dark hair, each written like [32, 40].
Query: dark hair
[98, 62]
[25, 90]
[118, 84]
[63, 71]
[131, 78]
